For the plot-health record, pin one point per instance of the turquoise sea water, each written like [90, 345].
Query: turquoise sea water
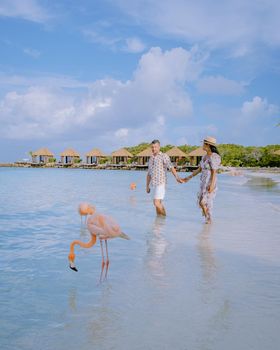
[177, 284]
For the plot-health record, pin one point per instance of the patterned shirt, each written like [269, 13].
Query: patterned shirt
[158, 166]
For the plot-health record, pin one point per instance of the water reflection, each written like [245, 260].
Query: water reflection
[104, 320]
[218, 306]
[101, 321]
[72, 297]
[156, 249]
[259, 181]
[206, 253]
[132, 200]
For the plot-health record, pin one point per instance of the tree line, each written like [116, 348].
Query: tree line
[232, 155]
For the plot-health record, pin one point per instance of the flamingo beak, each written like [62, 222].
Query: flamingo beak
[72, 266]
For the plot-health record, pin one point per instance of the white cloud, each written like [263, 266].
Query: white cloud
[236, 24]
[134, 45]
[258, 108]
[124, 110]
[121, 133]
[220, 86]
[101, 37]
[32, 52]
[29, 10]
[46, 80]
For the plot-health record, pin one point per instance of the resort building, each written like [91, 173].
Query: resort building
[94, 156]
[144, 156]
[176, 155]
[42, 155]
[69, 156]
[196, 155]
[121, 156]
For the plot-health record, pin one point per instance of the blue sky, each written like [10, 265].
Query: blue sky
[107, 74]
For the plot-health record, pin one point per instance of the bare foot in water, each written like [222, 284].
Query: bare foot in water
[208, 219]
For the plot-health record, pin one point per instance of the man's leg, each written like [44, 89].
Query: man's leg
[159, 207]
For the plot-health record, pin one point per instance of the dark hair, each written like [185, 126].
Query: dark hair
[214, 149]
[154, 142]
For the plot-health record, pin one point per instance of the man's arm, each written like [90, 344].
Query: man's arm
[172, 169]
[149, 177]
[148, 181]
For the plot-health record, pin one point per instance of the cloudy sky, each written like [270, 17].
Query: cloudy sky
[112, 73]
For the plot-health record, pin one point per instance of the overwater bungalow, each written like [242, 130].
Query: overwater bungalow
[144, 156]
[94, 156]
[121, 156]
[42, 156]
[176, 155]
[196, 155]
[69, 156]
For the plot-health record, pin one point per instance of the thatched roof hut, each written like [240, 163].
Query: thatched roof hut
[277, 152]
[196, 155]
[42, 155]
[69, 156]
[94, 156]
[121, 156]
[176, 154]
[144, 156]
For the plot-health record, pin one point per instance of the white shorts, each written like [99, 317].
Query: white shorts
[159, 191]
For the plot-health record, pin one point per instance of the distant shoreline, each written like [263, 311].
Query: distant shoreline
[129, 167]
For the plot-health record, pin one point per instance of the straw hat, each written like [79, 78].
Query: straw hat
[210, 140]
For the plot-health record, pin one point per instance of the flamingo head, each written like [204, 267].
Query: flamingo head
[86, 209]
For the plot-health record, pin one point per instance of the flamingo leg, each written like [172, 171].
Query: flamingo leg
[103, 261]
[107, 259]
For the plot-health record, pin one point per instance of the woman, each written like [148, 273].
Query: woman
[208, 180]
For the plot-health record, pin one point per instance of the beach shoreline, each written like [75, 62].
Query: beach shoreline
[184, 168]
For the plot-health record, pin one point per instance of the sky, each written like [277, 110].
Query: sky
[114, 73]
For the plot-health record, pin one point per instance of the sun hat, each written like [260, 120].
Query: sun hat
[210, 140]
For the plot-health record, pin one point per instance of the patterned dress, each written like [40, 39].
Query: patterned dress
[207, 163]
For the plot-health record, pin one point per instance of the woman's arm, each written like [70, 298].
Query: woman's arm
[194, 173]
[212, 180]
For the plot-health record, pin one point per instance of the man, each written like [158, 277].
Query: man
[157, 176]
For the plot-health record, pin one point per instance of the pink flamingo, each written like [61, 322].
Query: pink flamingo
[133, 186]
[102, 227]
[85, 209]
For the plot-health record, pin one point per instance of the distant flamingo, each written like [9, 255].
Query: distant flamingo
[133, 186]
[102, 227]
[85, 209]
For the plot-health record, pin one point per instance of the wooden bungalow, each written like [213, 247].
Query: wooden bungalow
[176, 154]
[42, 156]
[196, 155]
[144, 156]
[94, 156]
[121, 156]
[69, 156]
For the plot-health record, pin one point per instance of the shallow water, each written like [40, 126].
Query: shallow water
[177, 284]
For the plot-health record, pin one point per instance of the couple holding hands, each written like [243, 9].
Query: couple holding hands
[160, 162]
